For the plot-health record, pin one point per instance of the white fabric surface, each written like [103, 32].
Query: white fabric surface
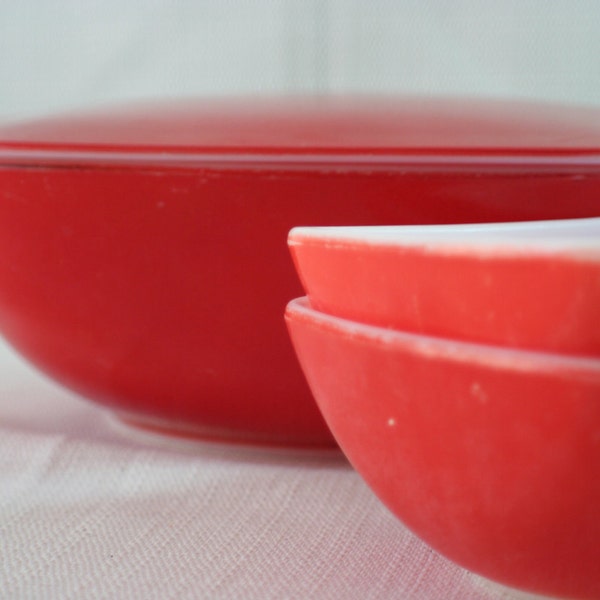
[91, 509]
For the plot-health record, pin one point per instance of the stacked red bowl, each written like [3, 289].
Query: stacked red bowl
[458, 368]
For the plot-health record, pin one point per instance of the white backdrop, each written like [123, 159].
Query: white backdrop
[57, 54]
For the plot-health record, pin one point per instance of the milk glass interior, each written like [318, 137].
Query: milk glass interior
[570, 235]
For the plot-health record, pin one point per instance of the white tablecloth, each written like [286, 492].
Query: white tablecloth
[91, 509]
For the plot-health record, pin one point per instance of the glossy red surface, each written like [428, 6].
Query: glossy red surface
[490, 455]
[510, 286]
[143, 257]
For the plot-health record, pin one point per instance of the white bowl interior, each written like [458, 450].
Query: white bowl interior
[568, 235]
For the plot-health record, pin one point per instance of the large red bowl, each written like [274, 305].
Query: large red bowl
[530, 285]
[143, 256]
[490, 455]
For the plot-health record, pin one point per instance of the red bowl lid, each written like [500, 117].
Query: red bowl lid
[366, 127]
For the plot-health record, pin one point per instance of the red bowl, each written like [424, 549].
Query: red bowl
[142, 251]
[529, 285]
[490, 455]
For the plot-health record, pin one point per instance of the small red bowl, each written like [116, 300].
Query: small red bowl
[529, 285]
[490, 455]
[143, 260]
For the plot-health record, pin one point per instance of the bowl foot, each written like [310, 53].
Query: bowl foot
[179, 433]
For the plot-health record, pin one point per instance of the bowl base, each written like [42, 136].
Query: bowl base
[193, 434]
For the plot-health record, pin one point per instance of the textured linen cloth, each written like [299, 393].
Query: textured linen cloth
[92, 509]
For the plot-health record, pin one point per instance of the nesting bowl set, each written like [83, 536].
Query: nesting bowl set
[459, 369]
[449, 251]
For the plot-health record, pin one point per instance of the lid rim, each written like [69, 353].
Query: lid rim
[419, 158]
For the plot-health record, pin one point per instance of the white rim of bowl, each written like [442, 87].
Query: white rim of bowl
[500, 357]
[572, 236]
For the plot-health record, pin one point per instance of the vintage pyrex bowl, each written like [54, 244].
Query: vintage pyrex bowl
[529, 285]
[143, 258]
[491, 455]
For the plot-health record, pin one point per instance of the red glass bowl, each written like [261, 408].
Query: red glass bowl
[490, 455]
[143, 258]
[530, 285]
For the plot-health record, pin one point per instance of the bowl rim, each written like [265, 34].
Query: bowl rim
[525, 162]
[579, 237]
[452, 350]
